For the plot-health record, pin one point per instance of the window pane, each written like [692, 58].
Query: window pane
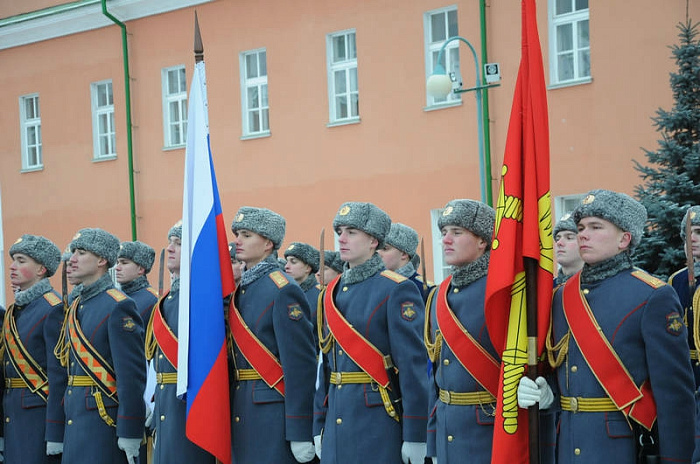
[254, 121]
[341, 107]
[29, 108]
[565, 66]
[581, 5]
[33, 156]
[437, 27]
[265, 120]
[251, 66]
[174, 113]
[584, 63]
[182, 79]
[103, 124]
[454, 58]
[263, 96]
[104, 146]
[563, 7]
[565, 40]
[355, 104]
[338, 48]
[583, 39]
[352, 72]
[31, 135]
[340, 86]
[172, 82]
[101, 95]
[352, 48]
[175, 134]
[253, 101]
[434, 55]
[262, 59]
[452, 24]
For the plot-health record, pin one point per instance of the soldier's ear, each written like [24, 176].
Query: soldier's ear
[625, 241]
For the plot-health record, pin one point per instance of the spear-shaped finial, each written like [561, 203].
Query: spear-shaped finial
[198, 47]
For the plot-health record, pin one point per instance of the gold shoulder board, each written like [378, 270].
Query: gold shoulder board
[648, 278]
[279, 279]
[398, 278]
[52, 299]
[116, 294]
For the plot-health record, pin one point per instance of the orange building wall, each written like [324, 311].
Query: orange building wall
[404, 159]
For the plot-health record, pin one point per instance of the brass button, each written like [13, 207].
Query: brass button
[70, 421]
[446, 362]
[339, 387]
[162, 418]
[345, 289]
[455, 290]
[7, 419]
[339, 421]
[70, 392]
[585, 291]
[160, 356]
[7, 363]
[72, 363]
[238, 419]
[450, 438]
[574, 368]
[242, 292]
[577, 451]
[340, 352]
[162, 386]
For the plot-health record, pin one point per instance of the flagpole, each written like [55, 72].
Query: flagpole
[531, 305]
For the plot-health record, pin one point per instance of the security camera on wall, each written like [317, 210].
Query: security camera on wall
[492, 72]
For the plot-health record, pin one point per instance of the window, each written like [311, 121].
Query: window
[103, 133]
[174, 106]
[440, 25]
[569, 45]
[440, 269]
[255, 107]
[342, 78]
[30, 123]
[564, 205]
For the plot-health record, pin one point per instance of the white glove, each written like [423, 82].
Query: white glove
[530, 392]
[149, 415]
[130, 446]
[317, 445]
[303, 451]
[413, 452]
[434, 460]
[53, 447]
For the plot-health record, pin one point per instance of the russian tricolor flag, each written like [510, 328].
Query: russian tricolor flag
[205, 278]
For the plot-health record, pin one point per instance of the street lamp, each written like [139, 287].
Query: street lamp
[440, 85]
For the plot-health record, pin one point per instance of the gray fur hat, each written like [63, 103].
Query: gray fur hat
[566, 222]
[403, 238]
[694, 213]
[97, 241]
[138, 252]
[332, 260]
[176, 230]
[365, 217]
[304, 252]
[619, 208]
[262, 221]
[475, 216]
[40, 249]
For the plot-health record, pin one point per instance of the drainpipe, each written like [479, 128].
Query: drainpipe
[485, 99]
[127, 96]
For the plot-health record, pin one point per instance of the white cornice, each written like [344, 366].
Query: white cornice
[79, 16]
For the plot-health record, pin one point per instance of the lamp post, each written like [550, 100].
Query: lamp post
[440, 85]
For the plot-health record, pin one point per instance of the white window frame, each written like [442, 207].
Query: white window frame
[104, 143]
[27, 123]
[348, 66]
[566, 204]
[440, 269]
[179, 99]
[579, 51]
[259, 114]
[451, 60]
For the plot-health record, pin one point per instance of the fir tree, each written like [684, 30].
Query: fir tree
[671, 178]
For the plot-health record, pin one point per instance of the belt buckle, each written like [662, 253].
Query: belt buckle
[8, 383]
[448, 397]
[338, 378]
[573, 402]
[70, 380]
